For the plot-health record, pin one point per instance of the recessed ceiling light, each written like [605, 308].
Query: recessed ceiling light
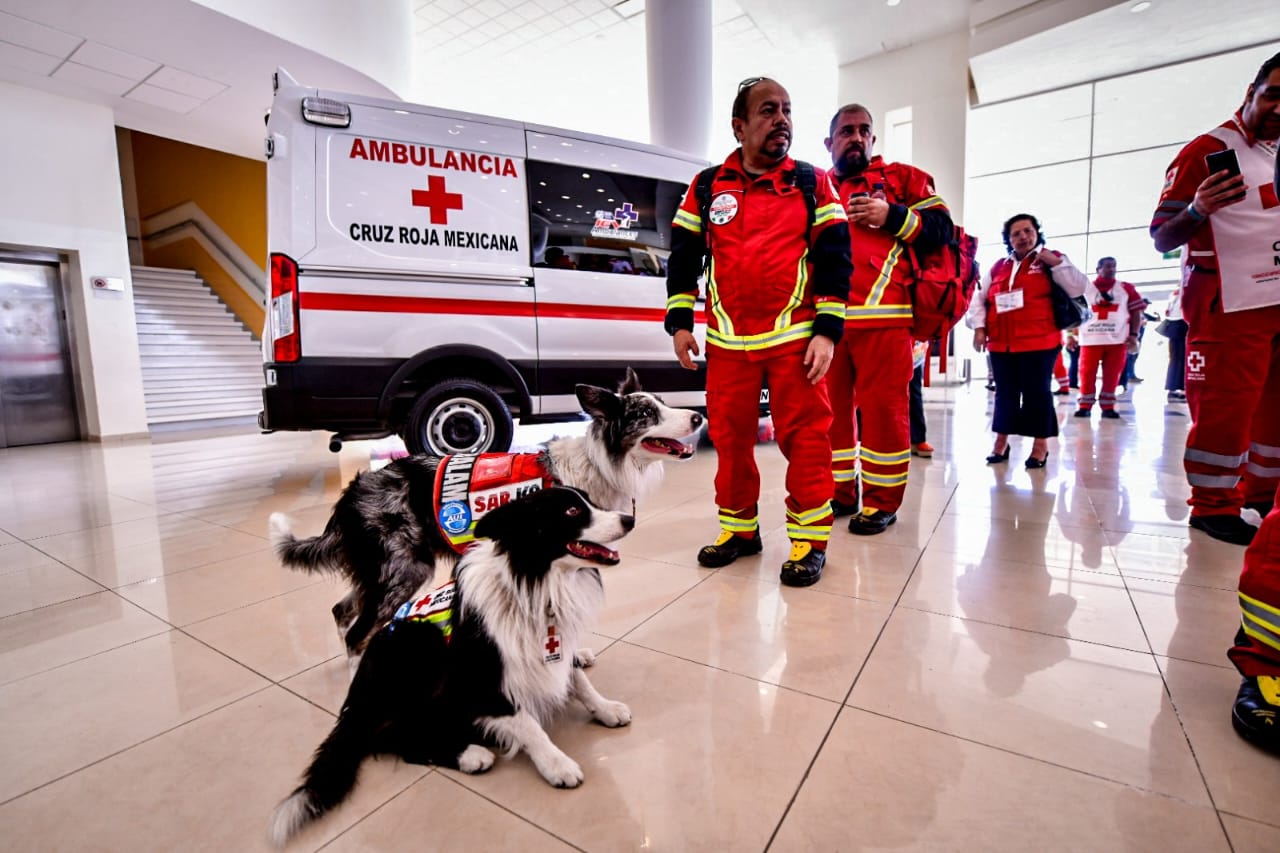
[894, 2]
[1140, 7]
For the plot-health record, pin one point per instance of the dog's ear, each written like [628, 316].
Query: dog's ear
[599, 402]
[631, 384]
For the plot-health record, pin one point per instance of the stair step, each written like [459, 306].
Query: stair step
[169, 364]
[162, 288]
[158, 319]
[176, 300]
[161, 335]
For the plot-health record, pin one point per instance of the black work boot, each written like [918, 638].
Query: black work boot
[727, 548]
[1256, 713]
[1227, 528]
[871, 521]
[804, 565]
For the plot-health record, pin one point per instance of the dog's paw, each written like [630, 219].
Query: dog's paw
[475, 759]
[584, 658]
[613, 714]
[561, 771]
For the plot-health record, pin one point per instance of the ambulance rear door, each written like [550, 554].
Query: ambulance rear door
[600, 224]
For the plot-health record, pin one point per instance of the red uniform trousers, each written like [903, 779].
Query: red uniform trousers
[1060, 373]
[870, 373]
[1111, 357]
[1233, 392]
[1257, 648]
[802, 424]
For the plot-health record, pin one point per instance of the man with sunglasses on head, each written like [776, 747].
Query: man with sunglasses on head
[894, 214]
[776, 242]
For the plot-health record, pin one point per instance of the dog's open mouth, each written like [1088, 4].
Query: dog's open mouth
[667, 447]
[594, 553]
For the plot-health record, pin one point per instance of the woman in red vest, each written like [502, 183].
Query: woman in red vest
[1012, 318]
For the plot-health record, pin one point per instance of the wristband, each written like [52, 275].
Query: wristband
[1195, 213]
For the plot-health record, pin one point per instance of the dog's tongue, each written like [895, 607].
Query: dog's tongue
[667, 447]
[594, 552]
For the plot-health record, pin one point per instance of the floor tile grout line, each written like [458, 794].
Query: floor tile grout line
[861, 668]
[464, 786]
[1098, 643]
[379, 807]
[1230, 813]
[1037, 759]
[139, 743]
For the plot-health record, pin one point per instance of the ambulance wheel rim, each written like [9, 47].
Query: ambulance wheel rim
[458, 425]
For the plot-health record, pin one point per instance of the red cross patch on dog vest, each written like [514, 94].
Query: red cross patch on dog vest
[435, 607]
[468, 486]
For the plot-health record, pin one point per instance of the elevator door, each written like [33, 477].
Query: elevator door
[37, 394]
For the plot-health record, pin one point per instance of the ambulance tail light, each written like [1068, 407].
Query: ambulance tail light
[286, 338]
[326, 111]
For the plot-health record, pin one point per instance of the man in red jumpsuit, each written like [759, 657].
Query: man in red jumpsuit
[1231, 302]
[1107, 338]
[894, 212]
[777, 282]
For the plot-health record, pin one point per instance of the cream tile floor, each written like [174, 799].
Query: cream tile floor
[1027, 660]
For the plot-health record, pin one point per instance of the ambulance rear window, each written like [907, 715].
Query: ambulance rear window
[589, 219]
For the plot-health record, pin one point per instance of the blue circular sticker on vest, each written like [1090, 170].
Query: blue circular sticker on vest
[455, 517]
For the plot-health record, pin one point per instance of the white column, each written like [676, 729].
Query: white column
[678, 34]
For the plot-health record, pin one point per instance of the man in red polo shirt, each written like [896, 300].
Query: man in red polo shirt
[894, 212]
[1231, 302]
[777, 282]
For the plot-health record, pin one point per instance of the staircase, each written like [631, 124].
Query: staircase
[199, 363]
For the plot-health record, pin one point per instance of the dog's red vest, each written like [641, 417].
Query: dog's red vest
[468, 486]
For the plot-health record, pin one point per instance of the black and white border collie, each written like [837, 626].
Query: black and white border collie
[383, 533]
[525, 593]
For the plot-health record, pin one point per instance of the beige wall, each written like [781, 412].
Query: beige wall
[60, 190]
[933, 79]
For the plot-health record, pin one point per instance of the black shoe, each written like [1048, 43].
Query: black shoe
[871, 521]
[1083, 413]
[1136, 380]
[1254, 718]
[1063, 392]
[1226, 528]
[991, 386]
[804, 566]
[996, 458]
[840, 508]
[1111, 415]
[728, 548]
[1033, 462]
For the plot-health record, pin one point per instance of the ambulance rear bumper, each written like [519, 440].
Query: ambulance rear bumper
[341, 395]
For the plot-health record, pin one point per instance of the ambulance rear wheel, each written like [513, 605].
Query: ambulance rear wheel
[459, 416]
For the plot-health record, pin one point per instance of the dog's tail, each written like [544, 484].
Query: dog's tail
[315, 553]
[328, 780]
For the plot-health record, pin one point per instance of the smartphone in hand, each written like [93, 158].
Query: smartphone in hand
[1226, 160]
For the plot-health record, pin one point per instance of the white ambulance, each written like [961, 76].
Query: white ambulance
[437, 274]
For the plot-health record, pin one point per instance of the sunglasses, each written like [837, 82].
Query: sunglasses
[749, 82]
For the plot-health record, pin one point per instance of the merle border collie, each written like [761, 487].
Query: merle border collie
[384, 536]
[498, 668]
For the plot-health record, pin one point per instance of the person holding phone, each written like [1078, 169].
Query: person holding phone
[1220, 200]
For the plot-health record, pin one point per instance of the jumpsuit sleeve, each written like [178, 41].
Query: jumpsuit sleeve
[832, 262]
[688, 248]
[925, 221]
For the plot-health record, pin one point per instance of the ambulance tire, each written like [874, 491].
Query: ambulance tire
[459, 416]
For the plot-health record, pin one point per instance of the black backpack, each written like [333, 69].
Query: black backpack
[804, 178]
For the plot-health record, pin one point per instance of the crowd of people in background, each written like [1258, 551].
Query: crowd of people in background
[812, 294]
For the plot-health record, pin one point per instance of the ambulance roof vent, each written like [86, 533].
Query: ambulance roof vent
[326, 111]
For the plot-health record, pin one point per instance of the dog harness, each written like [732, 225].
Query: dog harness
[435, 607]
[468, 486]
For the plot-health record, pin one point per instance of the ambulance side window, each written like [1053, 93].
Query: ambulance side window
[589, 219]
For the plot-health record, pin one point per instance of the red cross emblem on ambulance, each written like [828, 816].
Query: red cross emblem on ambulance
[437, 199]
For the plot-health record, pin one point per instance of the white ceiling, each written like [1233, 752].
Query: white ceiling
[174, 69]
[178, 69]
[1117, 41]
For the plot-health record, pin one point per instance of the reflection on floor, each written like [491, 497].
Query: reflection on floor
[1027, 660]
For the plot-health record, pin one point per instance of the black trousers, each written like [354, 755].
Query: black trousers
[916, 409]
[1024, 405]
[1175, 376]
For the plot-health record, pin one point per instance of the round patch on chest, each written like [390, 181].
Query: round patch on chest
[723, 208]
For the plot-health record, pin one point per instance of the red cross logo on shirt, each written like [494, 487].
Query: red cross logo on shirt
[436, 199]
[1103, 309]
[1195, 361]
[552, 642]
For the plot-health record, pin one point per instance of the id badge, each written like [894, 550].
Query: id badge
[1009, 300]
